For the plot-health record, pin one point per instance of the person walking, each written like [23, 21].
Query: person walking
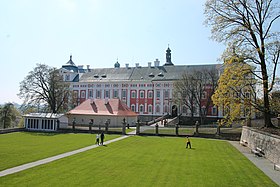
[102, 136]
[188, 143]
[97, 139]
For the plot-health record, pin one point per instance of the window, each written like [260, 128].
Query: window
[133, 108]
[150, 94]
[83, 94]
[116, 94]
[204, 95]
[141, 108]
[90, 93]
[214, 110]
[150, 108]
[133, 94]
[123, 93]
[98, 94]
[157, 109]
[67, 78]
[107, 93]
[166, 109]
[142, 95]
[204, 112]
[158, 94]
[166, 94]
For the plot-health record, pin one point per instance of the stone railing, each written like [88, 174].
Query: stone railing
[269, 143]
[3, 131]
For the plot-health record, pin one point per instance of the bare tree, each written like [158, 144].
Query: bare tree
[44, 85]
[195, 90]
[247, 25]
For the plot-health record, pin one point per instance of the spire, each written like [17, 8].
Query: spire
[70, 62]
[168, 57]
[117, 64]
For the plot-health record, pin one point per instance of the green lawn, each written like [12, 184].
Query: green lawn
[148, 161]
[23, 147]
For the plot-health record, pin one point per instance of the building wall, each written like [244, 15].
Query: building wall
[145, 98]
[115, 121]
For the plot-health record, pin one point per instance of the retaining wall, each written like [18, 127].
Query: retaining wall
[4, 131]
[269, 143]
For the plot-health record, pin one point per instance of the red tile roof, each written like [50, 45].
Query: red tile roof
[112, 107]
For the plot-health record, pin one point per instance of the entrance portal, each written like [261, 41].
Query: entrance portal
[174, 111]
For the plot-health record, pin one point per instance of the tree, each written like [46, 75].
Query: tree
[195, 90]
[44, 85]
[236, 92]
[275, 102]
[248, 26]
[8, 114]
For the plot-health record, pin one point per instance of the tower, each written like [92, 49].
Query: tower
[168, 57]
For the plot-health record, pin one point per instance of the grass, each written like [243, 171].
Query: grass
[148, 161]
[23, 147]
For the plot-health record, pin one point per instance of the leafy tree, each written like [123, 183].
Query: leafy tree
[194, 91]
[236, 92]
[8, 115]
[44, 86]
[248, 26]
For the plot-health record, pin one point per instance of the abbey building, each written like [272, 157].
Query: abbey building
[148, 91]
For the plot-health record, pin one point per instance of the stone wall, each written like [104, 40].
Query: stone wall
[269, 143]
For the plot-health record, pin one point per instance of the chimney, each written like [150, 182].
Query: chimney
[88, 66]
[149, 64]
[137, 65]
[127, 66]
[156, 62]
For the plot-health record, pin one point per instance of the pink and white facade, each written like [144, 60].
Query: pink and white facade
[147, 90]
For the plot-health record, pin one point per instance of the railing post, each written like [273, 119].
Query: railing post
[156, 129]
[73, 124]
[177, 129]
[196, 127]
[124, 127]
[138, 127]
[90, 125]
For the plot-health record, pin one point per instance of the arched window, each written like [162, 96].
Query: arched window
[141, 108]
[166, 109]
[133, 108]
[157, 109]
[150, 109]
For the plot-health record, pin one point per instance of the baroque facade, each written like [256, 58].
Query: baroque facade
[148, 90]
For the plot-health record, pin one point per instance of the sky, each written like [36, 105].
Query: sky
[98, 33]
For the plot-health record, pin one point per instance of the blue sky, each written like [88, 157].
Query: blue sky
[97, 33]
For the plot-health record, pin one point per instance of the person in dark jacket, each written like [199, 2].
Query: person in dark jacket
[102, 136]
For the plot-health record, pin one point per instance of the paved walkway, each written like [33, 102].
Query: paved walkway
[262, 163]
[50, 159]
